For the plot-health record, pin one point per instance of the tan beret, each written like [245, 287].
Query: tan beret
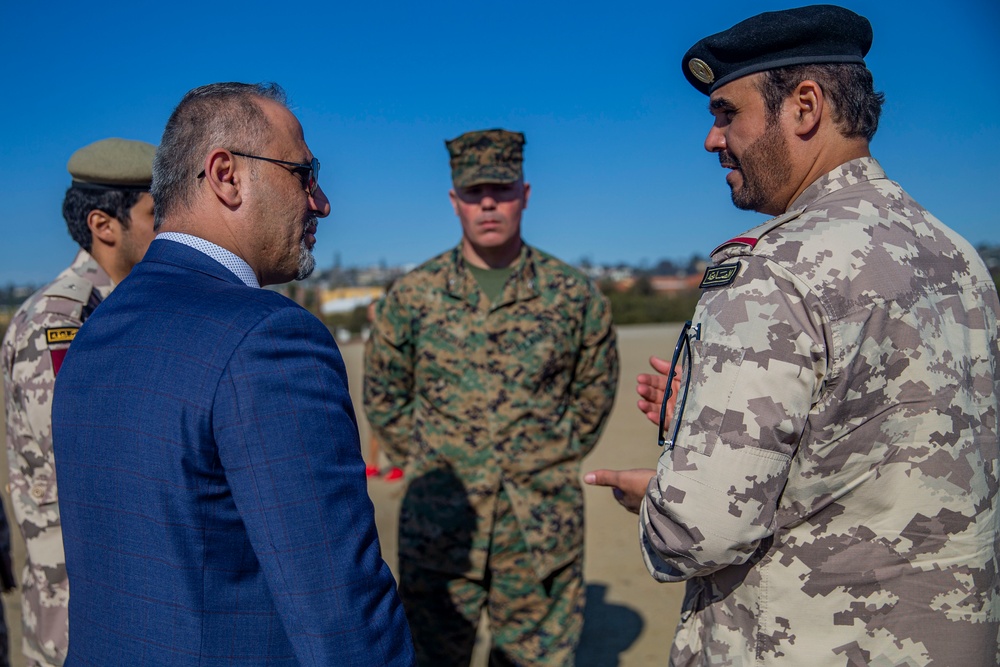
[119, 164]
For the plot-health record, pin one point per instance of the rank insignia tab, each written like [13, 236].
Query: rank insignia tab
[60, 335]
[720, 276]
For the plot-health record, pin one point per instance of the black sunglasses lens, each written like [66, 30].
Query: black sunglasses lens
[313, 175]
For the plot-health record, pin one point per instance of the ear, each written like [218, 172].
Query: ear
[808, 106]
[223, 177]
[454, 200]
[527, 193]
[103, 228]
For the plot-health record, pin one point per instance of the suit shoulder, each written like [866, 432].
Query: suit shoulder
[259, 305]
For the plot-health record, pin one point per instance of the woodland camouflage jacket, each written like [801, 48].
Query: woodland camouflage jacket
[468, 396]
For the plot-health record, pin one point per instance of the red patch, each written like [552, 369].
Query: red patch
[748, 241]
[743, 240]
[57, 359]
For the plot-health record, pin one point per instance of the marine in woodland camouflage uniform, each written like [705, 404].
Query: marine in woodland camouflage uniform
[831, 495]
[109, 213]
[489, 405]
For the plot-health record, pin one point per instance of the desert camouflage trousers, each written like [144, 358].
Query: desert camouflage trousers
[533, 622]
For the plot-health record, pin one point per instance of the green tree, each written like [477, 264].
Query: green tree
[641, 305]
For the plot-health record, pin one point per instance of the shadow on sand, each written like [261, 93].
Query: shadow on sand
[608, 630]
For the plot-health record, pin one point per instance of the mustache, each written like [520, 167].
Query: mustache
[728, 160]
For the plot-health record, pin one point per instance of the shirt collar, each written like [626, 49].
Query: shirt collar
[521, 286]
[231, 261]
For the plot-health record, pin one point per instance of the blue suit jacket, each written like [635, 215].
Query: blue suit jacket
[211, 485]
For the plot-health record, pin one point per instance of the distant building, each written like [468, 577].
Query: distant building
[675, 283]
[660, 284]
[347, 299]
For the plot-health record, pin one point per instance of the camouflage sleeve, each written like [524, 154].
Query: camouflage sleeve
[28, 394]
[595, 377]
[29, 379]
[757, 369]
[388, 379]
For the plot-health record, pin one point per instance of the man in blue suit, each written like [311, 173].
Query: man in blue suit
[211, 482]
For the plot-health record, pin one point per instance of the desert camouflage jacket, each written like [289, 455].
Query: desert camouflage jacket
[33, 349]
[468, 396]
[832, 494]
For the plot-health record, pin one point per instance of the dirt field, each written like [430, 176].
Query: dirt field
[630, 619]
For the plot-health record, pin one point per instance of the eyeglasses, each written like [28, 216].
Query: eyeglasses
[311, 170]
[688, 331]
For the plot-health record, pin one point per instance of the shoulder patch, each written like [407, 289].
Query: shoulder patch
[720, 276]
[60, 335]
[748, 242]
[58, 356]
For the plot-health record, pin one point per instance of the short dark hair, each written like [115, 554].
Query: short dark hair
[80, 201]
[849, 88]
[219, 114]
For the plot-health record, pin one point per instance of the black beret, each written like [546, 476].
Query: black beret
[806, 35]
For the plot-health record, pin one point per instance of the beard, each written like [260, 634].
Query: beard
[765, 168]
[306, 260]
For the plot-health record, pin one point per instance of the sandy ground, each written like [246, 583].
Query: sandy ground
[630, 618]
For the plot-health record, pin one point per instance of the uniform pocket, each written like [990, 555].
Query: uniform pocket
[715, 373]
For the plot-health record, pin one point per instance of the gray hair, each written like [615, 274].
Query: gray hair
[219, 114]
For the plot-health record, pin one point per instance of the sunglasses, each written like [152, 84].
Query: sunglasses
[683, 346]
[307, 173]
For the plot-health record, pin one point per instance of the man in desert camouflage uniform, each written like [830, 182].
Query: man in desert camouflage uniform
[489, 375]
[831, 493]
[109, 213]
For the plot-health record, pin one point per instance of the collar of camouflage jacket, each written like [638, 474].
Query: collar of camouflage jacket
[82, 276]
[850, 173]
[521, 285]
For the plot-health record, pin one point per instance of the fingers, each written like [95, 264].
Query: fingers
[650, 389]
[651, 410]
[634, 480]
[653, 382]
[628, 486]
[602, 477]
[661, 366]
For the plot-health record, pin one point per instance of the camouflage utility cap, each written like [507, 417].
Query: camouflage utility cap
[486, 156]
[113, 164]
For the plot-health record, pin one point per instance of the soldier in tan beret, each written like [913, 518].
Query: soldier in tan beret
[109, 213]
[489, 374]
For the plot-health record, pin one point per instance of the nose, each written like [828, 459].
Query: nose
[715, 142]
[488, 201]
[318, 202]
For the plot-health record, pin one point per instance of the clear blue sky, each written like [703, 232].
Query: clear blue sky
[614, 132]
